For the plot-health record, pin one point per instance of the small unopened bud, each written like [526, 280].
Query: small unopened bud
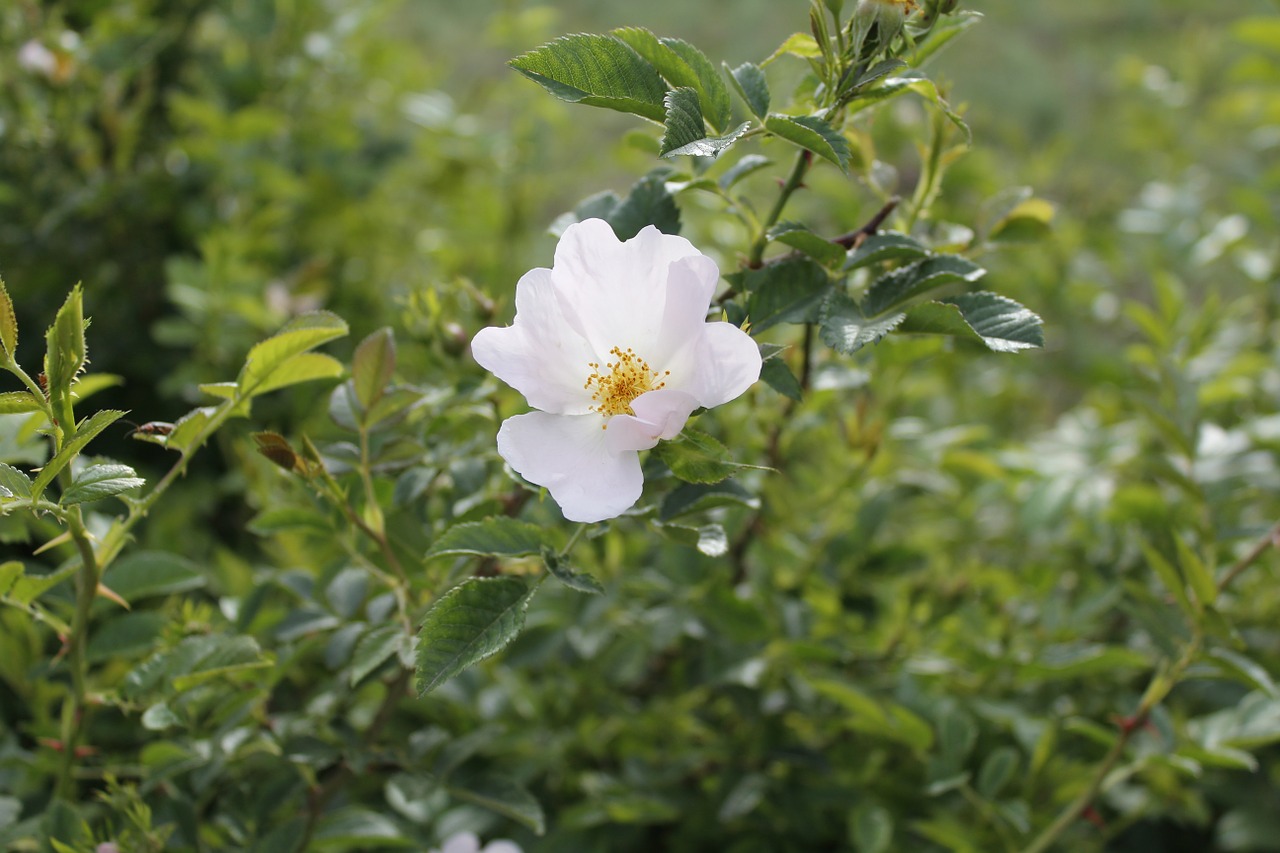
[887, 15]
[454, 339]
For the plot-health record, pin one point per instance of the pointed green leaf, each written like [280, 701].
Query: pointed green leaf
[648, 203]
[845, 329]
[188, 430]
[17, 587]
[900, 285]
[747, 165]
[373, 364]
[790, 291]
[304, 367]
[885, 246]
[222, 390]
[683, 66]
[998, 323]
[812, 134]
[941, 33]
[65, 355]
[470, 622]
[1170, 577]
[1246, 670]
[8, 323]
[503, 795]
[299, 335]
[193, 661]
[796, 236]
[356, 828]
[152, 574]
[87, 430]
[683, 120]
[14, 481]
[559, 569]
[750, 83]
[801, 45]
[696, 457]
[778, 376]
[374, 647]
[499, 536]
[100, 481]
[18, 403]
[1197, 573]
[878, 71]
[997, 770]
[600, 71]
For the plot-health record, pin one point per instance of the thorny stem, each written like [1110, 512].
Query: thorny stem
[1161, 684]
[74, 710]
[794, 181]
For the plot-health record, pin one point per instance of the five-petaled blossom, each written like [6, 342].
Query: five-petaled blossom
[613, 348]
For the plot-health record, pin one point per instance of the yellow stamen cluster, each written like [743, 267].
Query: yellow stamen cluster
[621, 382]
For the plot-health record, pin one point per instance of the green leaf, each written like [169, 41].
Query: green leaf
[846, 330]
[812, 134]
[790, 291]
[376, 646]
[499, 536]
[686, 133]
[18, 403]
[885, 246]
[778, 376]
[355, 828]
[997, 770]
[87, 430]
[599, 71]
[8, 323]
[696, 457]
[796, 236]
[801, 45]
[17, 587]
[559, 569]
[1197, 573]
[1080, 660]
[752, 87]
[746, 166]
[1170, 577]
[101, 481]
[304, 367]
[150, 574]
[878, 71]
[65, 354]
[683, 66]
[1030, 220]
[871, 828]
[957, 734]
[191, 662]
[941, 33]
[898, 286]
[743, 798]
[683, 121]
[470, 622]
[373, 364]
[188, 430]
[1244, 669]
[877, 717]
[14, 481]
[503, 795]
[998, 323]
[299, 335]
[647, 203]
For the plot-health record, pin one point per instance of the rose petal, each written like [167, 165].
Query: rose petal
[462, 842]
[728, 363]
[502, 845]
[658, 415]
[614, 294]
[569, 455]
[539, 355]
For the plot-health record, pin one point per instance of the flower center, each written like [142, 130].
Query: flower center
[621, 381]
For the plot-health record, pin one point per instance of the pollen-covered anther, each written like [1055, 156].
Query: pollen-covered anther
[622, 381]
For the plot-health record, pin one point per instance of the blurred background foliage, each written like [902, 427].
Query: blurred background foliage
[920, 632]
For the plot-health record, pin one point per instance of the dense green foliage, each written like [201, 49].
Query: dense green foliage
[913, 592]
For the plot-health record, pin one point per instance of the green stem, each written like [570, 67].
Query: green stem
[794, 181]
[75, 709]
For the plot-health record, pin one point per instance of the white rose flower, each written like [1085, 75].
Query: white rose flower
[612, 347]
[469, 842]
